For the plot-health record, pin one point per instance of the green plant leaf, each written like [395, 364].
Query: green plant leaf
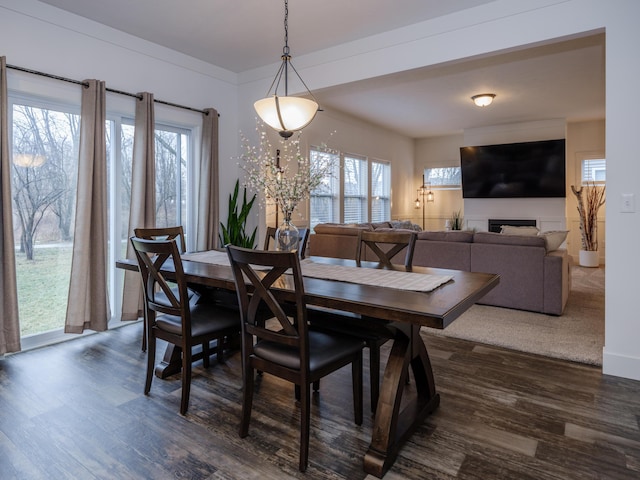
[234, 231]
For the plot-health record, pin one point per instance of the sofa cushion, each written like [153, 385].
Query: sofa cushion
[447, 236]
[405, 225]
[512, 230]
[501, 239]
[341, 228]
[553, 239]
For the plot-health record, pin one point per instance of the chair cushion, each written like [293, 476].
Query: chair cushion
[205, 319]
[324, 349]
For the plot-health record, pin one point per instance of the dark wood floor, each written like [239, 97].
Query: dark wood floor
[76, 410]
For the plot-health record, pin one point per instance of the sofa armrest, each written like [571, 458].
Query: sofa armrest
[557, 281]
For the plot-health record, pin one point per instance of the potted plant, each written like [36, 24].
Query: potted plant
[590, 198]
[455, 221]
[234, 231]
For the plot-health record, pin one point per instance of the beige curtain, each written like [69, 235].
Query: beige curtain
[88, 303]
[208, 221]
[142, 213]
[9, 325]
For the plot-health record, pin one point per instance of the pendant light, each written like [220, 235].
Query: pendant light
[284, 113]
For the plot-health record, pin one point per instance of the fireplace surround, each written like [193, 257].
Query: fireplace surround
[495, 224]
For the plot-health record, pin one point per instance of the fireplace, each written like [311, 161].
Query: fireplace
[495, 224]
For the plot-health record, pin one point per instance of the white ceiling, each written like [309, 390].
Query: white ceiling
[562, 80]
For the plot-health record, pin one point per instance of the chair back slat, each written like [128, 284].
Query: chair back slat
[386, 245]
[163, 233]
[153, 255]
[261, 304]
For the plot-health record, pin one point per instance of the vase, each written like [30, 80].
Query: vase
[589, 258]
[287, 235]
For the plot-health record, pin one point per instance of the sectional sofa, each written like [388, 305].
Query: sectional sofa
[534, 274]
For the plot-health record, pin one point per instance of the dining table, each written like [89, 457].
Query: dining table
[393, 308]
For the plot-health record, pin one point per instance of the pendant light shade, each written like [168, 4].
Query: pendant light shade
[285, 113]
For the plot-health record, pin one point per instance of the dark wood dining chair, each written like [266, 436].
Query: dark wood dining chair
[160, 233]
[270, 237]
[283, 345]
[172, 317]
[386, 245]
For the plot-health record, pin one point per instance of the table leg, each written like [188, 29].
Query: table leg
[394, 423]
[171, 362]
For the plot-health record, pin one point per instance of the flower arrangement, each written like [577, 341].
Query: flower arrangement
[588, 206]
[284, 174]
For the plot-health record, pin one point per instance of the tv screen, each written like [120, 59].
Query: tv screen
[514, 170]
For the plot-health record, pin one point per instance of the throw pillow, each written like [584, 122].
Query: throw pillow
[511, 230]
[405, 224]
[553, 239]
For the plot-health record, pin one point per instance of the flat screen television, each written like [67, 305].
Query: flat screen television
[514, 170]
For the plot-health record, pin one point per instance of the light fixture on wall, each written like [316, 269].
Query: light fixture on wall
[483, 99]
[284, 113]
[425, 192]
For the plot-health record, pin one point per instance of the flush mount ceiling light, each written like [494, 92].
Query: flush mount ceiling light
[483, 99]
[284, 113]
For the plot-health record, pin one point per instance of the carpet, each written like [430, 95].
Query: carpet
[577, 335]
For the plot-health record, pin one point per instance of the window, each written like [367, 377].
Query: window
[594, 170]
[171, 175]
[443, 178]
[44, 170]
[172, 149]
[324, 206]
[380, 191]
[358, 191]
[44, 141]
[355, 190]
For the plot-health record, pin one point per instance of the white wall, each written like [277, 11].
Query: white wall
[436, 152]
[36, 36]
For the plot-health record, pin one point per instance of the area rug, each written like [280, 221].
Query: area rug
[577, 335]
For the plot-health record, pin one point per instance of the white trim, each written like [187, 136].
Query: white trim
[38, 340]
[620, 365]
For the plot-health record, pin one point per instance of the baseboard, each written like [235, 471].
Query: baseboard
[620, 365]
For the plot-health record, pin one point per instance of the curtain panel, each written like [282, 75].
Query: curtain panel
[142, 212]
[88, 302]
[9, 324]
[208, 218]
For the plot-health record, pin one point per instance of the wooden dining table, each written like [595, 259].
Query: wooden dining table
[401, 313]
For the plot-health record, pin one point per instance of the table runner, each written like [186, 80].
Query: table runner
[418, 282]
[215, 257]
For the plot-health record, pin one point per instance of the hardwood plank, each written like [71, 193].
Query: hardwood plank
[76, 410]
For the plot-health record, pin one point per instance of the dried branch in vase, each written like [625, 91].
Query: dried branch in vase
[590, 198]
[282, 173]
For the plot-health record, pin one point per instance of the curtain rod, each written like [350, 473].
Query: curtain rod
[120, 92]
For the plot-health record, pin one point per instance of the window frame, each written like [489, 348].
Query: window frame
[441, 186]
[583, 159]
[338, 201]
[53, 95]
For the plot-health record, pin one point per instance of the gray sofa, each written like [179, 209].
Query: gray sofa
[531, 278]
